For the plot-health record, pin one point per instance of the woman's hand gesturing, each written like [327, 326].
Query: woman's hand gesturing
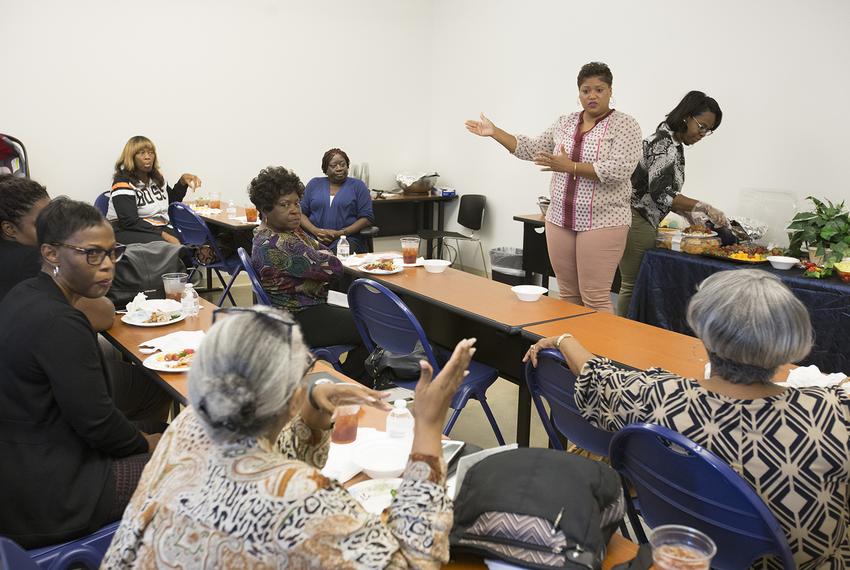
[482, 128]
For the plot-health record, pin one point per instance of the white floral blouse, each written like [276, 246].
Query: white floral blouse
[613, 146]
[201, 505]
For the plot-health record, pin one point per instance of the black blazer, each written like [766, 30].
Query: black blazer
[59, 428]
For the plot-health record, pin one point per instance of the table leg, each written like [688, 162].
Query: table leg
[208, 288]
[429, 224]
[441, 219]
[523, 416]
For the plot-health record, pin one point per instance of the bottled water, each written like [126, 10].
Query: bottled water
[190, 301]
[400, 420]
[231, 209]
[342, 248]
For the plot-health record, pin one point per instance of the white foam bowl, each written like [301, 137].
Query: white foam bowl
[382, 459]
[528, 292]
[436, 265]
[782, 262]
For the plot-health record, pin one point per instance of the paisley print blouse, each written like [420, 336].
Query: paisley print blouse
[248, 505]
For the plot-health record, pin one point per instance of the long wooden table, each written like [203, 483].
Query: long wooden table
[127, 338]
[455, 305]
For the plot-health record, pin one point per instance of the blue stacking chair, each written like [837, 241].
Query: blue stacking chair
[102, 203]
[86, 552]
[679, 482]
[554, 382]
[192, 230]
[384, 320]
[330, 354]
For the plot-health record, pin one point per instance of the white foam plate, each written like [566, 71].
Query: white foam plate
[130, 321]
[156, 362]
[375, 495]
[399, 267]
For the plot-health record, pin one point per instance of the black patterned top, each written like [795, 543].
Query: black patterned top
[659, 175]
[793, 448]
[249, 505]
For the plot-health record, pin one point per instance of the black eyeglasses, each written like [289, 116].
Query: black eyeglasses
[703, 130]
[272, 316]
[96, 255]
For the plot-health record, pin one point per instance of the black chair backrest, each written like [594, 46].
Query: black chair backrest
[470, 214]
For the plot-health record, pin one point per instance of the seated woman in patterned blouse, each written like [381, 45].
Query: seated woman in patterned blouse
[295, 269]
[790, 444]
[235, 480]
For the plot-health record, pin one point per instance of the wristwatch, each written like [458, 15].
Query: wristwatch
[313, 385]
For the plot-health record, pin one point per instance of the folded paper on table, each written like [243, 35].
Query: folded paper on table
[176, 341]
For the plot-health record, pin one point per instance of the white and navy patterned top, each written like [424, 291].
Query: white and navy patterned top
[659, 176]
[246, 505]
[612, 146]
[793, 448]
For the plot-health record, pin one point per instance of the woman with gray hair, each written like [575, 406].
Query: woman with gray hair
[236, 479]
[790, 444]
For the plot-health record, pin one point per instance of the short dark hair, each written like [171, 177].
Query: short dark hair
[270, 184]
[18, 196]
[595, 69]
[326, 158]
[64, 217]
[694, 103]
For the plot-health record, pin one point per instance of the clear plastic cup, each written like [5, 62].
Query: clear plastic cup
[676, 547]
[174, 284]
[250, 214]
[215, 200]
[410, 249]
[346, 419]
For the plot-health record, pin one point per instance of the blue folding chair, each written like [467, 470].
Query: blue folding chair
[384, 320]
[86, 552]
[679, 482]
[102, 203]
[330, 354]
[553, 381]
[192, 230]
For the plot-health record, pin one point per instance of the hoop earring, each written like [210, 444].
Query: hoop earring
[55, 271]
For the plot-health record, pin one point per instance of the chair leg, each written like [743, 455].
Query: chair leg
[634, 517]
[451, 423]
[483, 259]
[227, 287]
[492, 419]
[459, 255]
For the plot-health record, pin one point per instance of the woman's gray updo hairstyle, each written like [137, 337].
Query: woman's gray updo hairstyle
[245, 373]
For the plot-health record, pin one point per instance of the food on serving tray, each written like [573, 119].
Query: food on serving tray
[697, 229]
[698, 245]
[161, 317]
[743, 252]
[176, 360]
[383, 265]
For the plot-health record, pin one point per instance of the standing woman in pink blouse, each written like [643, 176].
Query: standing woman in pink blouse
[592, 155]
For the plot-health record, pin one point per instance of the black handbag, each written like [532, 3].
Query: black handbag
[384, 367]
[538, 508]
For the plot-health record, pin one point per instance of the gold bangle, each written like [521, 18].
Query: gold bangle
[561, 338]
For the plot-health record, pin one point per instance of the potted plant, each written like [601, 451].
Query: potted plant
[825, 232]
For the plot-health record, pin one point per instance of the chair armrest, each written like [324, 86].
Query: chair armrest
[371, 231]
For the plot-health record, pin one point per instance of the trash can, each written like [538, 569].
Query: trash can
[506, 265]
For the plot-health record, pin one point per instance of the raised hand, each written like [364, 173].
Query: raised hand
[191, 180]
[329, 396]
[558, 162]
[482, 128]
[433, 396]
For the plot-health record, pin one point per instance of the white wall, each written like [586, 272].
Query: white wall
[779, 69]
[225, 88]
[222, 88]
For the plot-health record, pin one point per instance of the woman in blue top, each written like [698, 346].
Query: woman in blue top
[336, 205]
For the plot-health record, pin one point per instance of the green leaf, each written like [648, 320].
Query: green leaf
[829, 230]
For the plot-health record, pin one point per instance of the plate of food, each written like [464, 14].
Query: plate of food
[698, 231]
[742, 253]
[375, 495]
[154, 318]
[179, 361]
[383, 267]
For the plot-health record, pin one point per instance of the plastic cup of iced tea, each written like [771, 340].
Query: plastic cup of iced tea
[215, 200]
[174, 284]
[346, 419]
[676, 547]
[250, 214]
[410, 249]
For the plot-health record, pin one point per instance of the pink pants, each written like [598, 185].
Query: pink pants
[585, 263]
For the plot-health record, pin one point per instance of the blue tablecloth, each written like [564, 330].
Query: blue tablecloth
[667, 279]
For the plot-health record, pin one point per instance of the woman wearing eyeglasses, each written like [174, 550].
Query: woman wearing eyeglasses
[70, 458]
[236, 481]
[658, 179]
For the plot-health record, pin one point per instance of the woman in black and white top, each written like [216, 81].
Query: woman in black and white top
[658, 179]
[138, 202]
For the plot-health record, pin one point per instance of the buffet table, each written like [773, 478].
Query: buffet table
[667, 279]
